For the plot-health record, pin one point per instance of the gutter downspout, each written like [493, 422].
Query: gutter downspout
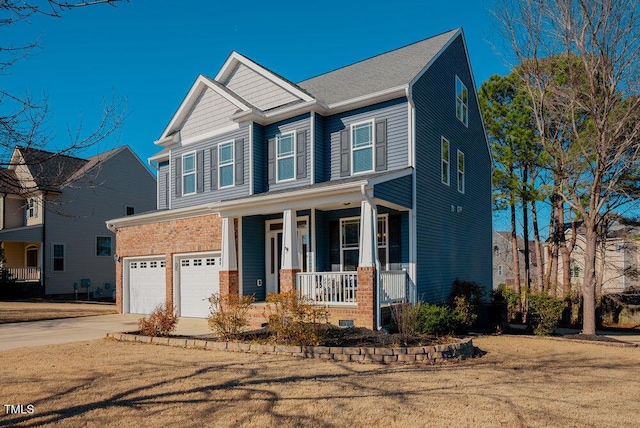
[44, 236]
[365, 189]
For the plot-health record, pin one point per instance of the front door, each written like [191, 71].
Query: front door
[273, 252]
[32, 257]
[274, 259]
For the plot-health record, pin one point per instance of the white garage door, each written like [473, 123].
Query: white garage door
[147, 285]
[198, 280]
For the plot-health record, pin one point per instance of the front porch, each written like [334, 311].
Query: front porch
[22, 261]
[349, 254]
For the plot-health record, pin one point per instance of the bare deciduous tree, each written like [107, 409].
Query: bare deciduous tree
[23, 119]
[599, 42]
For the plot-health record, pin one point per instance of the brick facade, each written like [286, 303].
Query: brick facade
[167, 238]
[229, 282]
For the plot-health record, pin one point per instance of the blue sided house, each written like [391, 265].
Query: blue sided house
[358, 188]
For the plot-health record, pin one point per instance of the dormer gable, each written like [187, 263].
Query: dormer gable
[208, 106]
[259, 86]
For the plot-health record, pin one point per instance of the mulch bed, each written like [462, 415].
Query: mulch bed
[349, 337]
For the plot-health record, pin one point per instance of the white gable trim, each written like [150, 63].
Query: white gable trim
[199, 85]
[236, 58]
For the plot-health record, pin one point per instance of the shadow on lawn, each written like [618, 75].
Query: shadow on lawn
[250, 388]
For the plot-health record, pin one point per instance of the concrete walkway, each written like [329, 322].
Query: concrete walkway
[36, 333]
[623, 336]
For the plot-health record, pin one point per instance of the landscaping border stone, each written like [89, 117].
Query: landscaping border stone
[435, 354]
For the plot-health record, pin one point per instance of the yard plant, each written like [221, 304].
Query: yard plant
[228, 314]
[160, 322]
[294, 320]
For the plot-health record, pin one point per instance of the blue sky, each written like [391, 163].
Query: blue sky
[149, 52]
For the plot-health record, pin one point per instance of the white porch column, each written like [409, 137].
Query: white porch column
[368, 235]
[289, 240]
[229, 261]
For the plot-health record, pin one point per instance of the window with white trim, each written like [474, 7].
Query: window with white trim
[225, 165]
[58, 257]
[362, 147]
[32, 208]
[460, 172]
[285, 156]
[103, 246]
[350, 242]
[189, 173]
[499, 270]
[462, 102]
[444, 154]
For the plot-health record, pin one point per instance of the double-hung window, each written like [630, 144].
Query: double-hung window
[58, 257]
[350, 243]
[225, 164]
[460, 172]
[188, 173]
[444, 154]
[32, 208]
[362, 147]
[286, 156]
[462, 102]
[103, 246]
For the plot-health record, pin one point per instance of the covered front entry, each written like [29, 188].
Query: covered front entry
[274, 247]
[144, 284]
[198, 277]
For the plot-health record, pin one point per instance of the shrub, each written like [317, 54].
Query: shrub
[466, 298]
[294, 320]
[507, 300]
[544, 312]
[427, 318]
[228, 314]
[162, 321]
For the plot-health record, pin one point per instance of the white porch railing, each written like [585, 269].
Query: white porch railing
[24, 273]
[328, 288]
[394, 287]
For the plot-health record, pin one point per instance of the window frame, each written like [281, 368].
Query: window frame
[126, 210]
[445, 163]
[110, 238]
[63, 257]
[462, 102]
[186, 174]
[461, 173]
[381, 218]
[32, 208]
[372, 145]
[227, 164]
[279, 157]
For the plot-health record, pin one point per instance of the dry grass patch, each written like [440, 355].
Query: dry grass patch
[519, 382]
[37, 311]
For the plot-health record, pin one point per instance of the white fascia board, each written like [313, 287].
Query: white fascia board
[235, 58]
[391, 176]
[299, 199]
[369, 99]
[159, 157]
[159, 216]
[199, 85]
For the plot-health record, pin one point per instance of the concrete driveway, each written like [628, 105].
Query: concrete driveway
[36, 333]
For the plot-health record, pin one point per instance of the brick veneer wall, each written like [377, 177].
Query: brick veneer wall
[197, 234]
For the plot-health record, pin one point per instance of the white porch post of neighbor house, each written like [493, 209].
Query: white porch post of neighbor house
[228, 275]
[290, 265]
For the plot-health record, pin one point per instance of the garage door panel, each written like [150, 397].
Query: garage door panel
[199, 279]
[146, 285]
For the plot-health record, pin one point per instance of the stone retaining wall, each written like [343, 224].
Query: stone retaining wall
[434, 354]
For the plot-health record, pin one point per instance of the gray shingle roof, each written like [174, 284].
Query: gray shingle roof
[388, 70]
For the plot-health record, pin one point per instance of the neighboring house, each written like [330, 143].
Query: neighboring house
[617, 257]
[503, 269]
[359, 187]
[52, 213]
